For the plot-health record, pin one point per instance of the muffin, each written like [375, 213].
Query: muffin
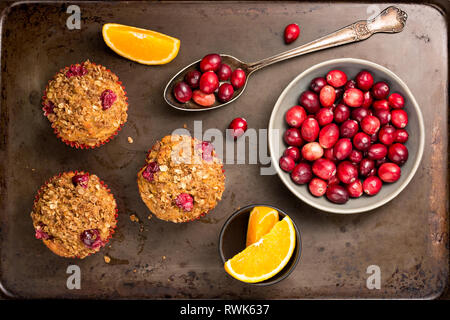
[86, 105]
[182, 179]
[74, 214]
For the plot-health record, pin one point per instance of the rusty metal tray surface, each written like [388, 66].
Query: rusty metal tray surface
[407, 238]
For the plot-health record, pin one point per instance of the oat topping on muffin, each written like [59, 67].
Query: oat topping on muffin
[86, 104]
[74, 214]
[182, 180]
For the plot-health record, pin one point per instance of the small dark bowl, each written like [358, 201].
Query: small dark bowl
[233, 237]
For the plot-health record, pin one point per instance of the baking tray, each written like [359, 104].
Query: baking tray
[407, 238]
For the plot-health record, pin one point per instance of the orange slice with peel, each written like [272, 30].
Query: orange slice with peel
[260, 222]
[140, 45]
[265, 258]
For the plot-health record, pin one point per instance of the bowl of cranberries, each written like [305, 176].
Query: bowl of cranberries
[346, 136]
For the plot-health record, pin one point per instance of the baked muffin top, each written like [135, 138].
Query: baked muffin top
[74, 214]
[86, 104]
[182, 179]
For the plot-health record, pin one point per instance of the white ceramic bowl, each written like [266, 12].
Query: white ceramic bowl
[415, 144]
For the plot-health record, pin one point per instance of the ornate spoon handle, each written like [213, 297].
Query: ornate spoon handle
[391, 20]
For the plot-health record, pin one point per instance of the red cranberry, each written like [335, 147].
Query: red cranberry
[380, 162]
[293, 137]
[150, 170]
[310, 129]
[361, 141]
[302, 173]
[324, 168]
[384, 116]
[389, 172]
[226, 92]
[348, 129]
[49, 108]
[81, 180]
[182, 92]
[329, 154]
[399, 118]
[76, 70]
[364, 80]
[360, 113]
[324, 116]
[91, 238]
[387, 135]
[401, 135]
[367, 99]
[396, 101]
[312, 151]
[310, 101]
[203, 99]
[351, 84]
[317, 84]
[224, 72]
[41, 234]
[372, 185]
[295, 116]
[185, 202]
[367, 167]
[347, 172]
[355, 156]
[238, 127]
[287, 163]
[192, 78]
[291, 33]
[353, 97]
[333, 180]
[210, 62]
[209, 82]
[329, 135]
[108, 97]
[207, 150]
[341, 113]
[317, 187]
[377, 151]
[380, 90]
[238, 78]
[292, 152]
[370, 125]
[336, 78]
[327, 96]
[381, 105]
[355, 189]
[398, 153]
[342, 148]
[337, 194]
[339, 93]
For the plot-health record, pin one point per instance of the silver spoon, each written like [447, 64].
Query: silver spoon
[391, 20]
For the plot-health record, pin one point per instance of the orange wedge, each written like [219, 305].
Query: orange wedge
[265, 258]
[140, 45]
[260, 222]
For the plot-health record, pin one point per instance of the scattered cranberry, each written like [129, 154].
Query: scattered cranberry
[377, 151]
[361, 141]
[399, 118]
[398, 153]
[389, 172]
[293, 137]
[226, 92]
[317, 187]
[327, 96]
[210, 62]
[317, 84]
[292, 152]
[224, 72]
[203, 99]
[108, 97]
[91, 238]
[341, 113]
[342, 149]
[324, 168]
[355, 189]
[295, 116]
[364, 80]
[81, 180]
[329, 135]
[336, 78]
[372, 185]
[370, 125]
[310, 101]
[353, 97]
[192, 78]
[238, 78]
[360, 113]
[401, 135]
[312, 151]
[310, 129]
[287, 163]
[380, 90]
[337, 194]
[150, 171]
[348, 129]
[302, 173]
[396, 101]
[185, 202]
[238, 127]
[367, 167]
[291, 33]
[182, 92]
[209, 82]
[387, 135]
[325, 116]
[367, 99]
